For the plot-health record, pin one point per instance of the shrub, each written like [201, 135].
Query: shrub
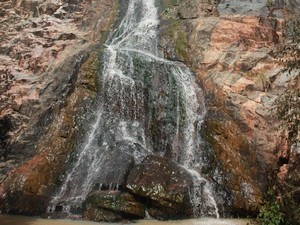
[270, 212]
[287, 110]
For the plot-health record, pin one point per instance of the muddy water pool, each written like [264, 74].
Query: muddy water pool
[23, 220]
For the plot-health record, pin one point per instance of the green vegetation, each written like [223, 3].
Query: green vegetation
[270, 212]
[263, 82]
[287, 108]
[180, 44]
[287, 111]
[287, 105]
[290, 52]
[269, 4]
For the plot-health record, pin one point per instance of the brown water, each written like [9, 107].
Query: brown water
[23, 220]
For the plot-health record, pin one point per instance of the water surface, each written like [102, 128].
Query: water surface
[23, 220]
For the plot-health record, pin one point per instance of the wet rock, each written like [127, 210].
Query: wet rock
[115, 169]
[112, 206]
[100, 215]
[243, 174]
[46, 86]
[5, 127]
[230, 51]
[25, 204]
[164, 184]
[21, 192]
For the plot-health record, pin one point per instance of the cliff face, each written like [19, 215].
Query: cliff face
[43, 45]
[49, 64]
[230, 47]
[48, 69]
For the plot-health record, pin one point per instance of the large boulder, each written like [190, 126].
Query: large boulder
[112, 206]
[164, 185]
[22, 191]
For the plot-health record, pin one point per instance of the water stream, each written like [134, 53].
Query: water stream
[147, 105]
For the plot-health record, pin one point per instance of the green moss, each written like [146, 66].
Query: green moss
[168, 4]
[175, 33]
[180, 45]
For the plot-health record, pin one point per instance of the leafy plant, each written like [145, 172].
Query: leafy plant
[263, 82]
[269, 3]
[287, 110]
[290, 52]
[270, 212]
[287, 105]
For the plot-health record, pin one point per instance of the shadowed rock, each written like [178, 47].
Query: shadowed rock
[112, 206]
[164, 184]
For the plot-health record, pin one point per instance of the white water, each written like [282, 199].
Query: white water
[133, 64]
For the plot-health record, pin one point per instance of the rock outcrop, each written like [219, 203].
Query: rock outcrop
[230, 47]
[42, 46]
[165, 186]
[50, 51]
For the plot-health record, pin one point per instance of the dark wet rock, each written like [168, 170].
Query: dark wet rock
[22, 192]
[112, 206]
[67, 36]
[164, 184]
[25, 204]
[61, 216]
[100, 215]
[115, 169]
[5, 127]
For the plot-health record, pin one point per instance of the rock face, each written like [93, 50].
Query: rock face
[229, 46]
[49, 52]
[165, 185]
[49, 62]
[42, 45]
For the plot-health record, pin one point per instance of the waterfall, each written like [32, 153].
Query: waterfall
[147, 105]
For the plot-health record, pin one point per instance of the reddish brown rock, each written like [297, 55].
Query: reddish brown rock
[231, 53]
[49, 66]
[22, 189]
[34, 51]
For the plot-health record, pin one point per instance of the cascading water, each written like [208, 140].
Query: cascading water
[147, 105]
